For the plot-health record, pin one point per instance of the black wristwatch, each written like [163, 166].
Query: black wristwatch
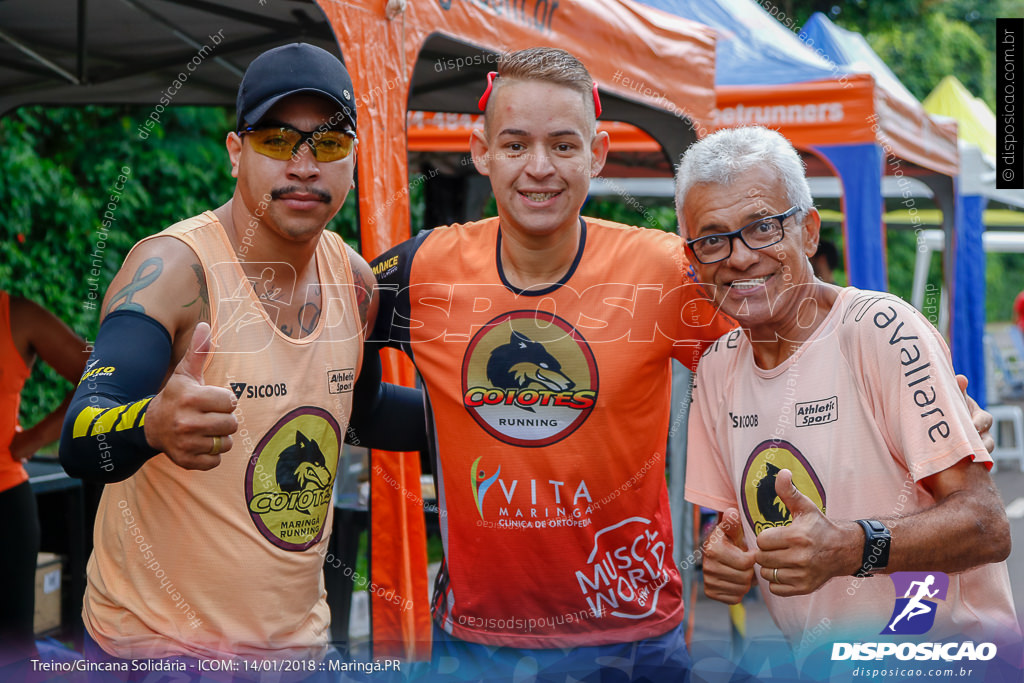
[877, 540]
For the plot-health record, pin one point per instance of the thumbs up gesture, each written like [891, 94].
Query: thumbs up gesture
[187, 420]
[799, 558]
[728, 565]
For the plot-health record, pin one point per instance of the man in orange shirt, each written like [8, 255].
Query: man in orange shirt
[544, 340]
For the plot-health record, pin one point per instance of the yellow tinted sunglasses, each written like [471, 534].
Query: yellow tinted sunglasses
[283, 142]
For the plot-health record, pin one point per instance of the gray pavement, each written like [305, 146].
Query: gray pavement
[1010, 481]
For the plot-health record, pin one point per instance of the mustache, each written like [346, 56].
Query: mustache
[322, 195]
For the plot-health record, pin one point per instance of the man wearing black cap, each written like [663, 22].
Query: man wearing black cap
[218, 396]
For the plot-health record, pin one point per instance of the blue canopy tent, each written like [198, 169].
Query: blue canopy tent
[977, 132]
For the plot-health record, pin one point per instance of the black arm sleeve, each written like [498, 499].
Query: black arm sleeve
[103, 438]
[393, 269]
[385, 416]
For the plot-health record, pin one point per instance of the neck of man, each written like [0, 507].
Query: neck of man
[530, 261]
[773, 343]
[256, 246]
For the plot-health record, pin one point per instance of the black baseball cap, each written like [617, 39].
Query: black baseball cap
[291, 69]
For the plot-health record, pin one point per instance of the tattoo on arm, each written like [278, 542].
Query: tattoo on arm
[204, 294]
[146, 275]
[363, 293]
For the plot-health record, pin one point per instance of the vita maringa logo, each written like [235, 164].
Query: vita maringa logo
[480, 485]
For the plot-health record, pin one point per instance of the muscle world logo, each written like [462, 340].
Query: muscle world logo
[529, 378]
[626, 570]
[289, 481]
[914, 613]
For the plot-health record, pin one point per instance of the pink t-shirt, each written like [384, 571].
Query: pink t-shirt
[861, 413]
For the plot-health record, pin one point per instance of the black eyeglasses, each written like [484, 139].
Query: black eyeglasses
[764, 232]
[283, 142]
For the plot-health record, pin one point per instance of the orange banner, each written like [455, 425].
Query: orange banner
[813, 113]
[853, 109]
[436, 131]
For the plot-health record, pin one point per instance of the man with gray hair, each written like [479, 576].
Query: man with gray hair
[828, 430]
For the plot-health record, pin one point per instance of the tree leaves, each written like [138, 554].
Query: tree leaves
[81, 186]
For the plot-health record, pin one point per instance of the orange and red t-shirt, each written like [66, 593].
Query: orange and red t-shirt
[549, 414]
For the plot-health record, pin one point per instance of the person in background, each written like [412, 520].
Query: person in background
[1018, 312]
[824, 261]
[27, 332]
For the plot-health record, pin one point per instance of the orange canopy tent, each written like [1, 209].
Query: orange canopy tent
[432, 131]
[442, 139]
[654, 70]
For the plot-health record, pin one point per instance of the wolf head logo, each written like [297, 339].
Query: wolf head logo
[302, 466]
[532, 362]
[524, 363]
[768, 502]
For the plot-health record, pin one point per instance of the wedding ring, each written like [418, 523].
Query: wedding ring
[775, 576]
[216, 451]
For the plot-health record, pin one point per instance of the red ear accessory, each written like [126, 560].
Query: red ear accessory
[487, 93]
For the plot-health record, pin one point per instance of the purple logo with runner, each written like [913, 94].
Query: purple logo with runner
[914, 612]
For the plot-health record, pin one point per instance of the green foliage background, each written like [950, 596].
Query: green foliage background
[922, 41]
[60, 166]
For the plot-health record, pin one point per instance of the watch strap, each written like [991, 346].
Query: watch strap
[877, 540]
